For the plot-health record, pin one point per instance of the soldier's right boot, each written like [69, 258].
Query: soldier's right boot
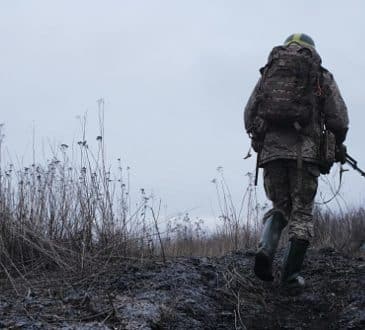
[292, 265]
[293, 260]
[268, 244]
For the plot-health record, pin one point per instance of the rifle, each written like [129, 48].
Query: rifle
[353, 163]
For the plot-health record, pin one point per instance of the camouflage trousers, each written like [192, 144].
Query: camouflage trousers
[292, 192]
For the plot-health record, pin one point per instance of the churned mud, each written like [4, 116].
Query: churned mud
[188, 293]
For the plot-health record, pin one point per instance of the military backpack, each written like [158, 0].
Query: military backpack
[288, 86]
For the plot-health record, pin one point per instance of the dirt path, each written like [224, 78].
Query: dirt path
[334, 297]
[190, 293]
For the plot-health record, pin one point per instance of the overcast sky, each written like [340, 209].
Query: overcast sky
[175, 76]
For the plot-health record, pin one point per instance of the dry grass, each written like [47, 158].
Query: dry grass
[74, 211]
[344, 231]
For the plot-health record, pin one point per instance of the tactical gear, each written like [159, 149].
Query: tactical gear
[300, 38]
[327, 151]
[292, 103]
[268, 244]
[340, 154]
[257, 133]
[288, 86]
[292, 264]
[282, 142]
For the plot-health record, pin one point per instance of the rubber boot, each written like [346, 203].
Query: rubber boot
[267, 246]
[292, 265]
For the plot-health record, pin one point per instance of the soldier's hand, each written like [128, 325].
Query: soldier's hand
[341, 152]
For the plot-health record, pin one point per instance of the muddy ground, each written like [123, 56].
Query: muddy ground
[188, 293]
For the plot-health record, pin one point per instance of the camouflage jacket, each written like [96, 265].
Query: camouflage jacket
[286, 143]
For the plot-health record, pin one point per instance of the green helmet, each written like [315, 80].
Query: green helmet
[300, 38]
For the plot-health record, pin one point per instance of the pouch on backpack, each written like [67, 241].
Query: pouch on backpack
[327, 151]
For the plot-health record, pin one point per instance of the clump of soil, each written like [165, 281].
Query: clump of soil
[189, 293]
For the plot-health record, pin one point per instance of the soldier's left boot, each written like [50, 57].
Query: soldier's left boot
[268, 244]
[292, 265]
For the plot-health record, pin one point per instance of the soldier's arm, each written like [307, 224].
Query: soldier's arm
[335, 109]
[251, 108]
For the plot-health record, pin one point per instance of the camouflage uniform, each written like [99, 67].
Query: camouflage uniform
[293, 199]
[291, 189]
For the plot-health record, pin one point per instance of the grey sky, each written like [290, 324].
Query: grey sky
[175, 76]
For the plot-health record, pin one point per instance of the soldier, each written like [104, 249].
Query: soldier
[295, 106]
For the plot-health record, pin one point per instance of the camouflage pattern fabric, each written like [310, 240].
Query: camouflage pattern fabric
[286, 143]
[292, 193]
[291, 159]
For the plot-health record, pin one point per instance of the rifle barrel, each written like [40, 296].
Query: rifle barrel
[348, 157]
[351, 161]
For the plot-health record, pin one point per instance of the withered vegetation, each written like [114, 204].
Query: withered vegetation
[73, 236]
